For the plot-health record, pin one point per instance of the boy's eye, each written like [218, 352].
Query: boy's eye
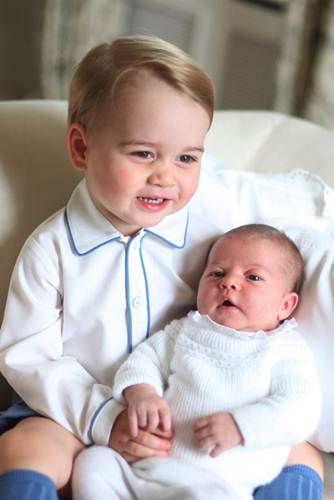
[254, 277]
[143, 154]
[187, 159]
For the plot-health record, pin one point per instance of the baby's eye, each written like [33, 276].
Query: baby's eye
[254, 277]
[187, 159]
[217, 274]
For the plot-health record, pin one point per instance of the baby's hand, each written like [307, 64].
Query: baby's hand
[146, 410]
[219, 432]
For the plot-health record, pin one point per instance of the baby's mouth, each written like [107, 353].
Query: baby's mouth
[227, 303]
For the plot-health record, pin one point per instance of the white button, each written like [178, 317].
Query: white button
[137, 301]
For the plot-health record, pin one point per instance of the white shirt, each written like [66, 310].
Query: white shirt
[82, 296]
[266, 380]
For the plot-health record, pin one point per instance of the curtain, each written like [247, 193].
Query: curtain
[305, 75]
[319, 106]
[71, 28]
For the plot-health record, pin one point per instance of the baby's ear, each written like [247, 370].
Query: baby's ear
[77, 145]
[288, 305]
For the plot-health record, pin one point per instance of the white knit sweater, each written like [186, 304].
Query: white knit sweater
[266, 380]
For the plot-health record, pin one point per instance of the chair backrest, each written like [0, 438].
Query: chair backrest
[36, 179]
[265, 141]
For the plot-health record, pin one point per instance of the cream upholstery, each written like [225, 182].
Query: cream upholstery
[36, 177]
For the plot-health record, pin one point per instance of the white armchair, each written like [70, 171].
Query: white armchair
[36, 177]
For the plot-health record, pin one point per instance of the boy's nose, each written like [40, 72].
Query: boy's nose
[162, 176]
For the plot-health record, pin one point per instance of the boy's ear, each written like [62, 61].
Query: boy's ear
[289, 304]
[76, 139]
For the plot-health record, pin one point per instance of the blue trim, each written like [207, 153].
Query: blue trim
[127, 294]
[90, 430]
[148, 306]
[168, 241]
[73, 246]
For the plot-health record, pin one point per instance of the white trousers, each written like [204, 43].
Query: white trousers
[102, 474]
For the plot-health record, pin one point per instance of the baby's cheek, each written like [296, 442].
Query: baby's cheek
[203, 299]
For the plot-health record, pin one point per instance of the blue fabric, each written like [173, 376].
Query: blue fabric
[16, 412]
[295, 482]
[22, 484]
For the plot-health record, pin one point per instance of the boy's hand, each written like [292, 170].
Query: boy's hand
[146, 410]
[145, 445]
[218, 432]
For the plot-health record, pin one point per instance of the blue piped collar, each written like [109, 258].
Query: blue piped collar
[89, 229]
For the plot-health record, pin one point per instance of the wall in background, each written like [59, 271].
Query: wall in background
[20, 28]
[251, 54]
[236, 41]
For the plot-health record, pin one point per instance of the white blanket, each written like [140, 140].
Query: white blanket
[102, 474]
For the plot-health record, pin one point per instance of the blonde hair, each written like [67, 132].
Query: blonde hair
[109, 66]
[295, 262]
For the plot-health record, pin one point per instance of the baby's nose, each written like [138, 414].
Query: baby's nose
[228, 283]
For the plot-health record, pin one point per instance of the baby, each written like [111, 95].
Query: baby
[234, 380]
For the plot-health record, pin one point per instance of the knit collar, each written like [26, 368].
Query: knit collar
[89, 229]
[205, 322]
[200, 334]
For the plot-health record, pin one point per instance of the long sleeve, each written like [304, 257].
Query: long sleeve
[149, 363]
[32, 357]
[291, 410]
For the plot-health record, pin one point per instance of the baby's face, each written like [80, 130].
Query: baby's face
[144, 162]
[245, 285]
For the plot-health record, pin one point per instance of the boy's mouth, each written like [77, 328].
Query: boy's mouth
[152, 203]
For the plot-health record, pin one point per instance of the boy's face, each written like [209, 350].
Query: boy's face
[144, 162]
[245, 285]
